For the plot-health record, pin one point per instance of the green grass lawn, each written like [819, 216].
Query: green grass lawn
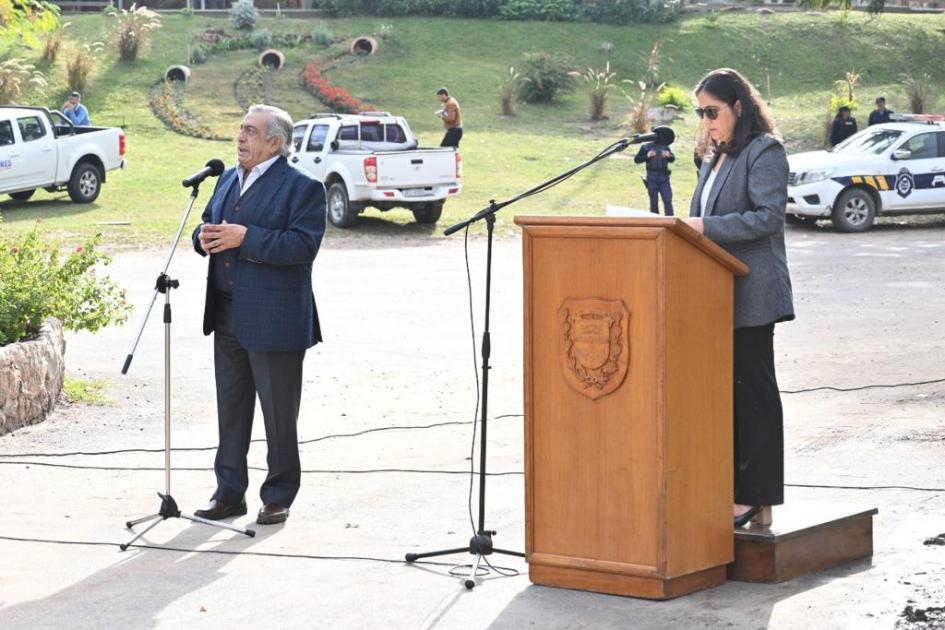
[799, 56]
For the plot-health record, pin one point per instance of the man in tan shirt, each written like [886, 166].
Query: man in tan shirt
[452, 119]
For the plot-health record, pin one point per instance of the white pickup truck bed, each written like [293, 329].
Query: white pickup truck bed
[372, 160]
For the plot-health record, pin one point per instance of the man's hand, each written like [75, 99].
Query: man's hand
[219, 238]
[696, 224]
[651, 153]
[666, 154]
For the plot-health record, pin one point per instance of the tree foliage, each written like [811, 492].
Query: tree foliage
[26, 20]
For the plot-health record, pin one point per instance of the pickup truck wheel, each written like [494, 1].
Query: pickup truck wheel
[428, 213]
[854, 211]
[85, 183]
[339, 210]
[23, 195]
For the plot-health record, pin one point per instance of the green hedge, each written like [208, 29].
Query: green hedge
[607, 11]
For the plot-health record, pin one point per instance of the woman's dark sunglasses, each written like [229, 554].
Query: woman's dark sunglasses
[709, 112]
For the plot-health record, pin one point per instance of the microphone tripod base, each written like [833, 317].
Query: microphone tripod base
[168, 510]
[480, 546]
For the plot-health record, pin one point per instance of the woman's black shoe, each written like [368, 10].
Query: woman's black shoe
[742, 519]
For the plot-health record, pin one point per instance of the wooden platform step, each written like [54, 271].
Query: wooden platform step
[803, 538]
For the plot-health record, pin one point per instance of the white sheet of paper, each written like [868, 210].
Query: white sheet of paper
[622, 211]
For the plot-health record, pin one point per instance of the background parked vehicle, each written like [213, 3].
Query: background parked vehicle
[43, 149]
[372, 160]
[894, 168]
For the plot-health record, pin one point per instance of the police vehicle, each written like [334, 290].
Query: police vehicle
[892, 168]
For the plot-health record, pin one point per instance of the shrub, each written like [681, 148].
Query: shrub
[323, 36]
[132, 30]
[639, 105]
[918, 91]
[79, 67]
[52, 45]
[187, 12]
[261, 39]
[384, 31]
[660, 12]
[674, 95]
[37, 282]
[508, 92]
[244, 15]
[652, 74]
[712, 19]
[548, 10]
[844, 93]
[606, 11]
[17, 78]
[846, 87]
[198, 54]
[545, 76]
[600, 83]
[837, 101]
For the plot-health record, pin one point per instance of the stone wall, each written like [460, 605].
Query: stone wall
[31, 375]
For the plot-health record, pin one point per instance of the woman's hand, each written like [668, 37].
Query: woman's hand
[696, 224]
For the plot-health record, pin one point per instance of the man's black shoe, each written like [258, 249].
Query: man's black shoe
[271, 514]
[216, 511]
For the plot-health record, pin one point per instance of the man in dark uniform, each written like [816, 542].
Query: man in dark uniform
[657, 158]
[880, 114]
[844, 126]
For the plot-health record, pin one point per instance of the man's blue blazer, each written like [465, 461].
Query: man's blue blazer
[273, 304]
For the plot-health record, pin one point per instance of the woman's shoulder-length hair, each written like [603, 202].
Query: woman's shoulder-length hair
[730, 87]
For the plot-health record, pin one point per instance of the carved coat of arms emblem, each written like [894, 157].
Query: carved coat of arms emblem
[595, 344]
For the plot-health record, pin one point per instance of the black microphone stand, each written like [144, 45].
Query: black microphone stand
[164, 285]
[480, 545]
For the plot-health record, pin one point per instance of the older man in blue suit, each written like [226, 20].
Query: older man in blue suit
[262, 229]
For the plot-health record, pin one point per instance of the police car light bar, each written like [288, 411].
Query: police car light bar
[917, 117]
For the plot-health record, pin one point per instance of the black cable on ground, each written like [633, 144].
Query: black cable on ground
[862, 387]
[412, 471]
[312, 471]
[184, 449]
[223, 552]
[890, 487]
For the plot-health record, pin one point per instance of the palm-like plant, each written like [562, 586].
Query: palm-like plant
[918, 91]
[640, 105]
[601, 82]
[874, 7]
[17, 77]
[508, 91]
[132, 30]
[80, 65]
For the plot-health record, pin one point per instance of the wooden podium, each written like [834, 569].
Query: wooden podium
[628, 405]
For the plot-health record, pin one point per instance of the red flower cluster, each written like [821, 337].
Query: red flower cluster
[335, 97]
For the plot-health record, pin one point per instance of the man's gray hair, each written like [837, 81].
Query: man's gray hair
[280, 125]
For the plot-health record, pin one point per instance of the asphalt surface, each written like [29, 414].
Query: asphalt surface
[386, 428]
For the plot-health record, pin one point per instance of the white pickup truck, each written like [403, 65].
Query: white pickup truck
[894, 168]
[372, 159]
[43, 149]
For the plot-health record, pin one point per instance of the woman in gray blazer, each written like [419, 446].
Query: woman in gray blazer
[739, 203]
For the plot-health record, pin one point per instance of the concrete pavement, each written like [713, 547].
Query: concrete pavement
[398, 356]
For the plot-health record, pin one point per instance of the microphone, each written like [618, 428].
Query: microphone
[662, 135]
[213, 169]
